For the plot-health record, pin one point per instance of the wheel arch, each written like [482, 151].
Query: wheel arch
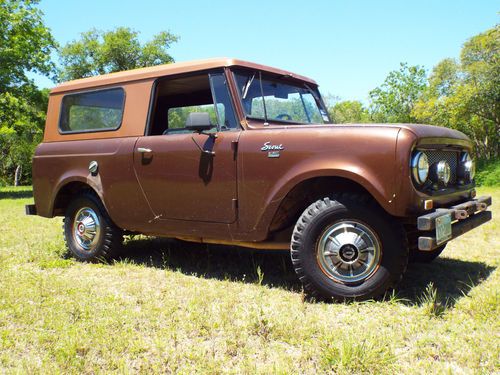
[68, 189]
[299, 193]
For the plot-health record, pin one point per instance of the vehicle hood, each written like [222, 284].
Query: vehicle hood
[419, 130]
[431, 131]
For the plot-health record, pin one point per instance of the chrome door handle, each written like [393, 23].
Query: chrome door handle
[144, 150]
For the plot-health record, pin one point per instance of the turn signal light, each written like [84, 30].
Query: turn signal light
[428, 204]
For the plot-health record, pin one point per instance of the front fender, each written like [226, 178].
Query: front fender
[365, 155]
[380, 190]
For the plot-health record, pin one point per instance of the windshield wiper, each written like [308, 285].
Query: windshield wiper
[247, 87]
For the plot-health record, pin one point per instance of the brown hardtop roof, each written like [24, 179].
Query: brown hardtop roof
[165, 70]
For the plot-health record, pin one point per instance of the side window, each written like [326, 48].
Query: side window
[177, 116]
[92, 111]
[178, 97]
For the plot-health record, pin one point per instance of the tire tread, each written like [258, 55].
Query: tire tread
[333, 201]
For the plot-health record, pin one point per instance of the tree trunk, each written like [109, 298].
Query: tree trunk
[17, 175]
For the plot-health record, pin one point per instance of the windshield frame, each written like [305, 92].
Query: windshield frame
[287, 80]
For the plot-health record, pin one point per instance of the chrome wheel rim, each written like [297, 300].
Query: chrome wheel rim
[349, 251]
[86, 229]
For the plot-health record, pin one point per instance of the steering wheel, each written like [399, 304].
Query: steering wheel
[284, 116]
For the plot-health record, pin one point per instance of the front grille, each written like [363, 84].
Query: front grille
[435, 156]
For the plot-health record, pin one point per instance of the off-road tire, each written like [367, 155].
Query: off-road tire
[329, 211]
[419, 256]
[108, 241]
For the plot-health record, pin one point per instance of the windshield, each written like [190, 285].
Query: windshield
[274, 99]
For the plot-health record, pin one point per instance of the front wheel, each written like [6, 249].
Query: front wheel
[89, 232]
[348, 248]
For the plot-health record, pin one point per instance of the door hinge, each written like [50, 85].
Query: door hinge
[235, 203]
[234, 146]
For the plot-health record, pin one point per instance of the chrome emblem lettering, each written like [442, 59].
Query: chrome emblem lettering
[273, 154]
[270, 147]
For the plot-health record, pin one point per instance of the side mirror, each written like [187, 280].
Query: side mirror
[198, 121]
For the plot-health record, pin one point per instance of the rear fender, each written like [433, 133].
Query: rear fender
[93, 182]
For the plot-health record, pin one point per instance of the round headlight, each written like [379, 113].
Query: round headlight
[420, 167]
[466, 168]
[443, 172]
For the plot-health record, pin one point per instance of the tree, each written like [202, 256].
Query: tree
[25, 46]
[394, 100]
[23, 119]
[466, 95]
[26, 43]
[100, 52]
[348, 111]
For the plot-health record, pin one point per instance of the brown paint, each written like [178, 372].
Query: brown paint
[181, 183]
[153, 72]
[232, 196]
[134, 116]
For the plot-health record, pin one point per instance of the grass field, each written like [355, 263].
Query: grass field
[183, 308]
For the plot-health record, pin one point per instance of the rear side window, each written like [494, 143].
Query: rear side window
[92, 111]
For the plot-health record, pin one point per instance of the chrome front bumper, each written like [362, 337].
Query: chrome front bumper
[465, 217]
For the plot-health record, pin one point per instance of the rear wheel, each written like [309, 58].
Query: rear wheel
[348, 248]
[89, 232]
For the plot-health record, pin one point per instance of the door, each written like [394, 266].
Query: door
[186, 175]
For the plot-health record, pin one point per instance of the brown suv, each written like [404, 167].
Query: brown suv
[230, 152]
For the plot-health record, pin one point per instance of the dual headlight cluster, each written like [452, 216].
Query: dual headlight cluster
[440, 172]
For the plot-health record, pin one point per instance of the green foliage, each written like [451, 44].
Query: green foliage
[349, 111]
[21, 129]
[430, 302]
[488, 173]
[355, 356]
[462, 95]
[100, 52]
[465, 95]
[25, 46]
[26, 43]
[394, 100]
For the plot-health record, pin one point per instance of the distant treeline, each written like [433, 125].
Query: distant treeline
[464, 94]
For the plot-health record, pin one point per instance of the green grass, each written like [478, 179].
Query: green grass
[185, 308]
[488, 173]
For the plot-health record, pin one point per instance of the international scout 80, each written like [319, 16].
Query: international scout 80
[230, 152]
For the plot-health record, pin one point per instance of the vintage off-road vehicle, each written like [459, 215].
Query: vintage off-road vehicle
[230, 152]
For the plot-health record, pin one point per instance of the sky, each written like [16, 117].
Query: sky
[348, 47]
